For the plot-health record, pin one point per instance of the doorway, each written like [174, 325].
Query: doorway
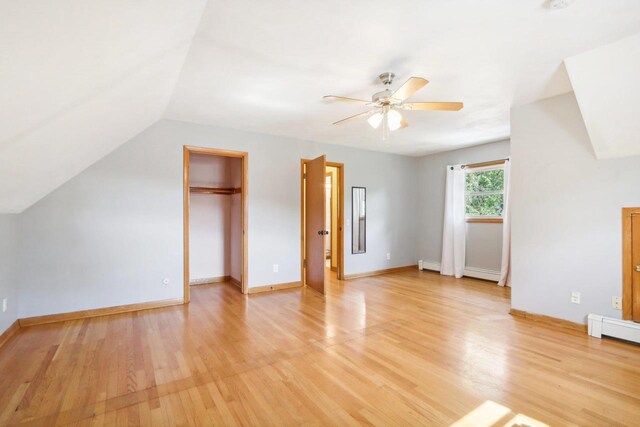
[215, 217]
[322, 221]
[631, 264]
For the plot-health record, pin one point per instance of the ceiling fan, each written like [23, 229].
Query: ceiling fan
[386, 104]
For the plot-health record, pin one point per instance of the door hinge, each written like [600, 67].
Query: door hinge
[304, 175]
[304, 263]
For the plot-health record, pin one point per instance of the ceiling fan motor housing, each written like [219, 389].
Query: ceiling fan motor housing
[387, 78]
[382, 97]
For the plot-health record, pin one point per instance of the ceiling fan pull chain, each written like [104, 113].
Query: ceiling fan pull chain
[385, 127]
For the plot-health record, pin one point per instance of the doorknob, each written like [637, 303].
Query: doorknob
[637, 267]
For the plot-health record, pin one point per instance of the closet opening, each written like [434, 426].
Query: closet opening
[215, 218]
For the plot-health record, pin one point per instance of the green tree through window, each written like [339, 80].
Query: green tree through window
[485, 193]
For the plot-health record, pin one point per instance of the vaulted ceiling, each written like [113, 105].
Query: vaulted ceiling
[78, 78]
[606, 81]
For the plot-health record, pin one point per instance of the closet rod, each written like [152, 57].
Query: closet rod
[214, 190]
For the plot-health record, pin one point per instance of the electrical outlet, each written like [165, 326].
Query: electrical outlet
[575, 297]
[166, 281]
[4, 305]
[388, 255]
[275, 268]
[616, 302]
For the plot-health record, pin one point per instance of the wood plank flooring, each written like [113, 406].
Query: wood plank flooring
[411, 348]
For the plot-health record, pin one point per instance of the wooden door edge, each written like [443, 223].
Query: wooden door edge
[627, 262]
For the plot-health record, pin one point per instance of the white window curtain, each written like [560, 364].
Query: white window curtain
[454, 234]
[505, 269]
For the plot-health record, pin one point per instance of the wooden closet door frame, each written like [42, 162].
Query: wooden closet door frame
[340, 167]
[244, 157]
[627, 262]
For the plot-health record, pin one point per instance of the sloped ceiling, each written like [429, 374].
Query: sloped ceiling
[77, 79]
[606, 82]
[264, 66]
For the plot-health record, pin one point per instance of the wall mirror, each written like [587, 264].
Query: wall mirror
[358, 220]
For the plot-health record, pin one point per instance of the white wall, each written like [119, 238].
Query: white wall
[235, 212]
[235, 237]
[8, 269]
[209, 236]
[111, 234]
[335, 182]
[484, 246]
[484, 241]
[566, 217]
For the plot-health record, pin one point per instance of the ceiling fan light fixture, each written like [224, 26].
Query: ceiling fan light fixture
[375, 120]
[394, 120]
[385, 104]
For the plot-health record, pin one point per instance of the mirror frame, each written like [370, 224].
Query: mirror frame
[353, 190]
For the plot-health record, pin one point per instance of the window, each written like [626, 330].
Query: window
[484, 194]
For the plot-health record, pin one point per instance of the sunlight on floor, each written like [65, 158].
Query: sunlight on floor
[491, 414]
[356, 316]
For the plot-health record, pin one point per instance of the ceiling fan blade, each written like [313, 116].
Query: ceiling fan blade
[444, 106]
[366, 113]
[411, 86]
[345, 99]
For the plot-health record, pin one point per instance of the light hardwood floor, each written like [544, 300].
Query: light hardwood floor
[411, 348]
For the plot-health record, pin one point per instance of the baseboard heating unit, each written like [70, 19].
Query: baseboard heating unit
[616, 328]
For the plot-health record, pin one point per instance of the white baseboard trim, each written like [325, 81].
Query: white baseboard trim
[475, 272]
[481, 273]
[616, 328]
[428, 265]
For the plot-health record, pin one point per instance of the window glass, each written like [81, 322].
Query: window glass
[485, 193]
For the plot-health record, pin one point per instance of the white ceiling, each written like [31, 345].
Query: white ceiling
[606, 81]
[264, 66]
[80, 77]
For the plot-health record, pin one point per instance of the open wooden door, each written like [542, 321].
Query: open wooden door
[631, 264]
[315, 229]
[635, 263]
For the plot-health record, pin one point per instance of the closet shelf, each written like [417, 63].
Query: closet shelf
[215, 190]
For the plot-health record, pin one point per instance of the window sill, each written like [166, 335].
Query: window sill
[485, 220]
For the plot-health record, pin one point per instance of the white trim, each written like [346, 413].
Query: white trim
[483, 193]
[429, 265]
[475, 272]
[616, 328]
[482, 273]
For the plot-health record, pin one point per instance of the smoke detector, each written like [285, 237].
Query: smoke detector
[559, 4]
